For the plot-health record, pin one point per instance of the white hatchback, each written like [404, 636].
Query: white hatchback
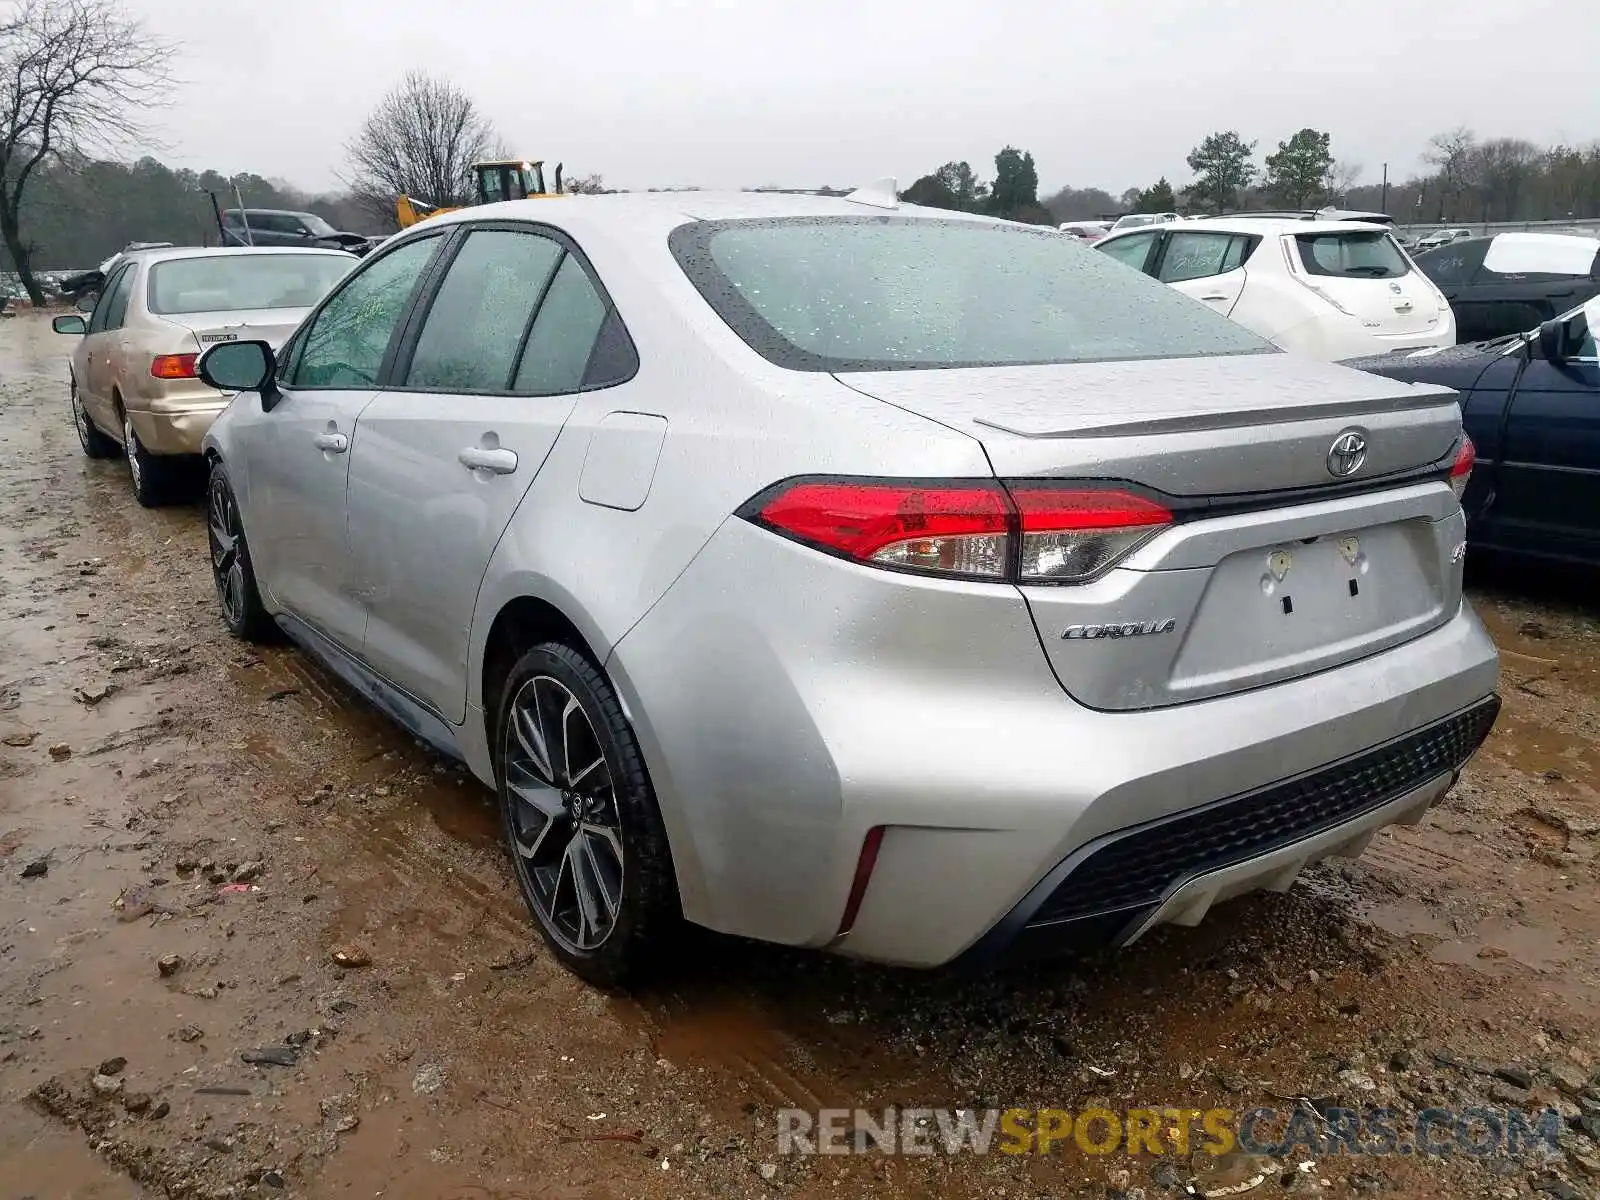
[1328, 289]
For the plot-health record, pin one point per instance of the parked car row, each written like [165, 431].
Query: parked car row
[838, 573]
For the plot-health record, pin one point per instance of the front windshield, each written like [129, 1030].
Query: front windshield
[879, 293]
[319, 227]
[238, 282]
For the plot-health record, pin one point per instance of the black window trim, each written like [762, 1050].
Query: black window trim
[286, 384]
[411, 329]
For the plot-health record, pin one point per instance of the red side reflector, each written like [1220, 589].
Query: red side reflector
[1461, 469]
[858, 886]
[173, 366]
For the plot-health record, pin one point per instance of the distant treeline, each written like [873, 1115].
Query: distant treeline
[76, 216]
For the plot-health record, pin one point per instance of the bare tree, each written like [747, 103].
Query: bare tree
[1342, 176]
[421, 141]
[587, 185]
[1504, 167]
[75, 77]
[1452, 152]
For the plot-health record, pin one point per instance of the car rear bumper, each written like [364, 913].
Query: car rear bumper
[789, 703]
[172, 429]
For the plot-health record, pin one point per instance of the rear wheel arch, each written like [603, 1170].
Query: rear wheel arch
[522, 623]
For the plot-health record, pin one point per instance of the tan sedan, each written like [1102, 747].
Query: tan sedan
[133, 371]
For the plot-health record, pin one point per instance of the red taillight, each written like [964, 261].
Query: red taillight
[1461, 469]
[1027, 533]
[956, 529]
[173, 366]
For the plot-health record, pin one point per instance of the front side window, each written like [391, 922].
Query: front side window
[478, 319]
[876, 293]
[1133, 249]
[316, 226]
[1358, 254]
[117, 307]
[347, 340]
[236, 282]
[108, 295]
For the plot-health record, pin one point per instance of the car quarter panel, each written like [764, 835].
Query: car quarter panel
[928, 709]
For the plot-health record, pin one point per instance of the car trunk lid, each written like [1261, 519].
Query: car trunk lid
[270, 325]
[1274, 567]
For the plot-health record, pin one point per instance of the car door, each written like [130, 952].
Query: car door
[1206, 265]
[518, 325]
[106, 349]
[1549, 490]
[1453, 270]
[92, 359]
[297, 456]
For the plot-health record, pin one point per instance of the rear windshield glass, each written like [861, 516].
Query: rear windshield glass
[880, 293]
[234, 282]
[1363, 254]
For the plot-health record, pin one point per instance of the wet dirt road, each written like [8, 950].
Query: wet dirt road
[215, 821]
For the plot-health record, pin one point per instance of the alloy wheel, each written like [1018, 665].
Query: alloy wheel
[564, 823]
[227, 566]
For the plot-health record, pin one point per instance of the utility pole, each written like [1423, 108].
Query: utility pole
[1383, 205]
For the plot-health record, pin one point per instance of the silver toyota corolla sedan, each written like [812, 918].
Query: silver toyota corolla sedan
[849, 575]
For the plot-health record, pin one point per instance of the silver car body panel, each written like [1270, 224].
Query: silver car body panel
[788, 701]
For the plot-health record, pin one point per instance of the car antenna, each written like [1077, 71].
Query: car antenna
[878, 194]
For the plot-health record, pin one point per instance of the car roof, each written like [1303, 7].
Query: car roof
[168, 253]
[1268, 225]
[640, 218]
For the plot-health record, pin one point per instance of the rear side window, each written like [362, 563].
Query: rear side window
[877, 293]
[1359, 254]
[563, 335]
[1201, 254]
[480, 316]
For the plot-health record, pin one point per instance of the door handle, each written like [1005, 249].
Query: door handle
[480, 458]
[334, 443]
[1213, 297]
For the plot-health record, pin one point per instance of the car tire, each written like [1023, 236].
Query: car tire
[231, 568]
[153, 476]
[95, 444]
[580, 819]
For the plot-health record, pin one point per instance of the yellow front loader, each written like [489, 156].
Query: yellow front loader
[506, 179]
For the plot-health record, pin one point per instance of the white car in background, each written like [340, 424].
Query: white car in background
[1328, 289]
[1441, 237]
[1142, 220]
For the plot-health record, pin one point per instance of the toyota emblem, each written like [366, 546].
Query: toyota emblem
[1348, 452]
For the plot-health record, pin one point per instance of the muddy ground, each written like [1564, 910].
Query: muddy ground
[214, 821]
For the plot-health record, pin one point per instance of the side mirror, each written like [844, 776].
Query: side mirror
[1553, 341]
[240, 367]
[69, 324]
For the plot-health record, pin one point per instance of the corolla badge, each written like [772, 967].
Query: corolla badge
[1348, 452]
[1125, 629]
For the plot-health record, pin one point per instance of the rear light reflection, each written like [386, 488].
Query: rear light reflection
[173, 366]
[1461, 469]
[1028, 533]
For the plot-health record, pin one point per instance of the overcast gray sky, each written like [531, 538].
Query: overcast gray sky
[724, 93]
